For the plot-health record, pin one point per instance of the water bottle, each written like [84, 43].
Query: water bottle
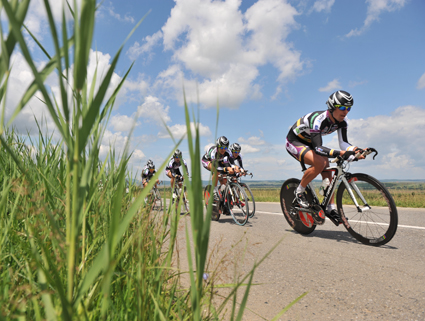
[324, 186]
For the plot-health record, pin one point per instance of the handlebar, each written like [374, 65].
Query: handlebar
[364, 153]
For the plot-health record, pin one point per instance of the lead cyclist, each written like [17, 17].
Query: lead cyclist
[304, 142]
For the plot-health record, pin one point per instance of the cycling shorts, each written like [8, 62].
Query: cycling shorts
[297, 149]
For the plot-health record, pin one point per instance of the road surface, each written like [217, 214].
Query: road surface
[344, 279]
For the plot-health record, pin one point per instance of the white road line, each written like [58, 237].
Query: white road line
[404, 226]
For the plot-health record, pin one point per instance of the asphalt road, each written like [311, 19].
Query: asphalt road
[343, 279]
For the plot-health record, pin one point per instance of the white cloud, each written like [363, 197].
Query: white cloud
[247, 149]
[221, 49]
[148, 43]
[421, 82]
[396, 137]
[332, 85]
[122, 123]
[374, 10]
[178, 131]
[253, 140]
[153, 110]
[323, 5]
[110, 10]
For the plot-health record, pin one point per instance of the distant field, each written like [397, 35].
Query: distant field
[405, 194]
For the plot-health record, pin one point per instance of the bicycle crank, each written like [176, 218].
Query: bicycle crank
[317, 213]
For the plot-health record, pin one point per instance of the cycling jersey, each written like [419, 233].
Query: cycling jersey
[308, 131]
[173, 166]
[237, 161]
[147, 174]
[218, 160]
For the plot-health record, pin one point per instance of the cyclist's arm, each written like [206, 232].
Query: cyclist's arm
[317, 142]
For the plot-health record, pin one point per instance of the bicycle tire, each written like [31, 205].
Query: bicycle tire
[186, 203]
[215, 215]
[251, 200]
[287, 196]
[238, 204]
[375, 226]
[157, 206]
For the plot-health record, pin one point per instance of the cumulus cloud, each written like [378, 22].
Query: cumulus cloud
[218, 49]
[178, 131]
[247, 149]
[122, 123]
[146, 47]
[153, 110]
[253, 140]
[421, 82]
[397, 138]
[323, 5]
[332, 85]
[374, 10]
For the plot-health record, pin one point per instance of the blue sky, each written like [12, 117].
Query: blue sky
[266, 63]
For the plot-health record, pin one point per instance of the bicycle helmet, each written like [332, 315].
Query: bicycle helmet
[339, 97]
[151, 166]
[235, 147]
[149, 162]
[177, 154]
[222, 141]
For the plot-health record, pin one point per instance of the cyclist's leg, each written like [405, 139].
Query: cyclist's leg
[170, 175]
[318, 164]
[305, 155]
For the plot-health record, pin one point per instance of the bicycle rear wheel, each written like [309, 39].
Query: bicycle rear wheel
[237, 203]
[376, 223]
[186, 203]
[301, 222]
[251, 201]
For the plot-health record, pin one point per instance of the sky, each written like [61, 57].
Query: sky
[265, 63]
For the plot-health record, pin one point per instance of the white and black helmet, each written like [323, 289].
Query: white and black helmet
[149, 162]
[177, 154]
[235, 147]
[222, 141]
[339, 97]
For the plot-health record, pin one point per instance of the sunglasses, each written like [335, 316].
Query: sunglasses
[151, 169]
[341, 107]
[222, 147]
[177, 157]
[235, 152]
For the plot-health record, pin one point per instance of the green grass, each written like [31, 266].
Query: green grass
[73, 244]
[403, 198]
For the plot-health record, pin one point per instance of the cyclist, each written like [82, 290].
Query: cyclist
[173, 168]
[147, 173]
[235, 155]
[218, 161]
[304, 142]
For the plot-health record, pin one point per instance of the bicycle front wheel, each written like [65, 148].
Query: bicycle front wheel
[251, 201]
[375, 221]
[237, 203]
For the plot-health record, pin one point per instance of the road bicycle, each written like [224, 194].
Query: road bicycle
[248, 192]
[154, 199]
[232, 200]
[364, 206]
[179, 192]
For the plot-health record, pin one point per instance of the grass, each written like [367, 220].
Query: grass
[73, 244]
[414, 198]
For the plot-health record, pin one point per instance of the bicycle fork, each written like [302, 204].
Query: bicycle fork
[350, 185]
